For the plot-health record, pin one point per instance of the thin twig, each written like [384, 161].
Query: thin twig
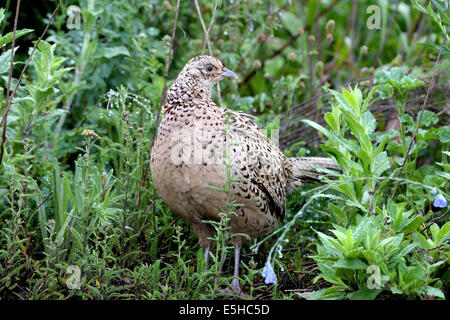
[423, 108]
[210, 25]
[8, 102]
[434, 221]
[434, 248]
[38, 206]
[162, 101]
[351, 57]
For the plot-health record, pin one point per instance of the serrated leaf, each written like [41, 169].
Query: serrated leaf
[380, 164]
[369, 122]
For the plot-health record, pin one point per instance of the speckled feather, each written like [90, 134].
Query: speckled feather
[187, 157]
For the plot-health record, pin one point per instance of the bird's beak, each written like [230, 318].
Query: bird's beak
[229, 74]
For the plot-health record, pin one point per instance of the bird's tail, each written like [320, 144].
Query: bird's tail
[301, 170]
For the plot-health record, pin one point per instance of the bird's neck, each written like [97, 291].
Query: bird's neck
[186, 90]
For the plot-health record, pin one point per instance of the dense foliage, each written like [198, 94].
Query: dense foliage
[80, 217]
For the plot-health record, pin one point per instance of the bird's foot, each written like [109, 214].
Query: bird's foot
[235, 289]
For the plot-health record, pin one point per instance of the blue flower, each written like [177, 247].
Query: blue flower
[440, 201]
[269, 275]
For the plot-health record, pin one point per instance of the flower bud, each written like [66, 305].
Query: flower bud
[330, 38]
[329, 27]
[291, 56]
[363, 50]
[318, 68]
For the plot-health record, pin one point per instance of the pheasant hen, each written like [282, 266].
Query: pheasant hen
[199, 144]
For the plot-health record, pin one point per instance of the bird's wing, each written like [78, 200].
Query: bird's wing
[257, 162]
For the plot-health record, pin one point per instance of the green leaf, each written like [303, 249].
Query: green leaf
[364, 294]
[291, 22]
[5, 60]
[435, 292]
[429, 118]
[7, 38]
[444, 134]
[380, 164]
[385, 91]
[319, 128]
[444, 233]
[352, 101]
[332, 122]
[414, 224]
[422, 241]
[350, 263]
[332, 293]
[392, 209]
[342, 102]
[112, 52]
[369, 122]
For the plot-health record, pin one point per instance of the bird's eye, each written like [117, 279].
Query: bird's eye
[209, 68]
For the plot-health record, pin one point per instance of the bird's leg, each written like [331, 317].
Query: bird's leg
[235, 282]
[204, 233]
[207, 257]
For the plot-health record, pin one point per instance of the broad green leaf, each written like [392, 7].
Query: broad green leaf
[364, 294]
[380, 164]
[7, 38]
[332, 122]
[350, 263]
[444, 134]
[435, 292]
[444, 233]
[352, 101]
[342, 102]
[332, 293]
[429, 118]
[369, 122]
[422, 241]
[111, 52]
[414, 224]
[291, 22]
[319, 128]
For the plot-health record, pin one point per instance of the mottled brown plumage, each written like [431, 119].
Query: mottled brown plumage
[188, 156]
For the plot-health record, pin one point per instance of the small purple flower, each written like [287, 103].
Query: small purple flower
[440, 201]
[269, 275]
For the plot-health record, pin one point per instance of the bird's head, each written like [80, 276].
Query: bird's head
[205, 71]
